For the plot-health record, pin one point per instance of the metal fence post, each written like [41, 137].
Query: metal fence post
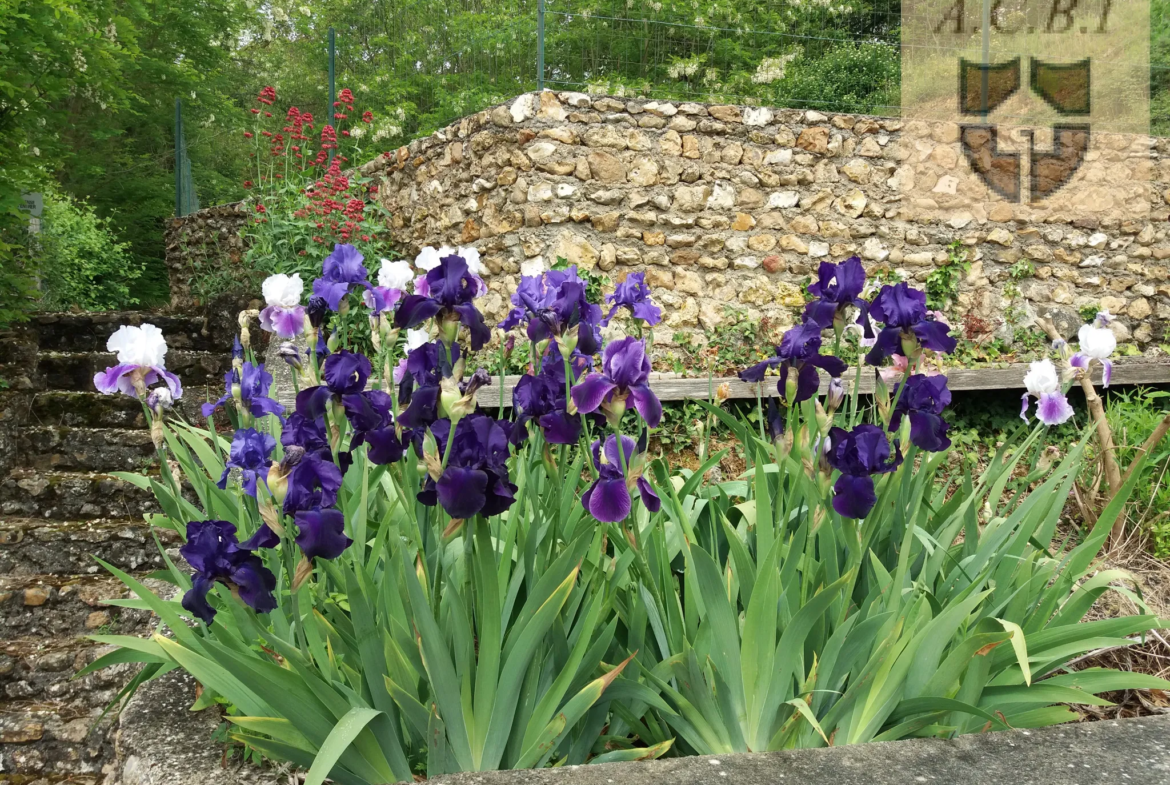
[332, 84]
[539, 44]
[178, 158]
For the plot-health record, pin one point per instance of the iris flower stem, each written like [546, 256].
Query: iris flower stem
[910, 369]
[584, 422]
[760, 410]
[854, 395]
[503, 361]
[161, 451]
[710, 417]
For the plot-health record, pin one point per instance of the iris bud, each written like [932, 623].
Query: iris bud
[291, 355]
[835, 396]
[318, 311]
[790, 389]
[614, 409]
[910, 347]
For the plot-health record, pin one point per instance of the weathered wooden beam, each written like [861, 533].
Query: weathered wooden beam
[669, 387]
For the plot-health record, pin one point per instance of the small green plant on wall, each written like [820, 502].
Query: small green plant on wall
[942, 284]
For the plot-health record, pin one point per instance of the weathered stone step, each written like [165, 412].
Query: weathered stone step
[85, 449]
[86, 409]
[64, 495]
[30, 546]
[18, 349]
[89, 332]
[47, 716]
[70, 370]
[57, 606]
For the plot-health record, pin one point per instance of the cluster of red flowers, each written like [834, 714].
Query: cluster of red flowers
[296, 136]
[337, 212]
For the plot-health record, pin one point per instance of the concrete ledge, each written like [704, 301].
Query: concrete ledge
[160, 742]
[1089, 753]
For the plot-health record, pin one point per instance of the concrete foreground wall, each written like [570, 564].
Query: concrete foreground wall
[730, 209]
[161, 743]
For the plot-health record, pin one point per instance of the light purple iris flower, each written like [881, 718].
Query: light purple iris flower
[141, 353]
[625, 374]
[1043, 383]
[380, 299]
[283, 314]
[1097, 343]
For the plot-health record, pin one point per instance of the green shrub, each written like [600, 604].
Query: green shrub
[1133, 415]
[864, 77]
[82, 263]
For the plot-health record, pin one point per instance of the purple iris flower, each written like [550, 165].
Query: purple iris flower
[554, 305]
[263, 538]
[305, 432]
[903, 311]
[475, 479]
[633, 293]
[426, 367]
[858, 455]
[313, 482]
[625, 374]
[254, 383]
[775, 420]
[342, 269]
[543, 398]
[923, 399]
[345, 374]
[536, 289]
[251, 453]
[799, 350]
[385, 446]
[321, 533]
[215, 554]
[608, 498]
[451, 287]
[837, 287]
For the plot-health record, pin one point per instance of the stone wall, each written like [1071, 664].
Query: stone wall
[205, 246]
[730, 209]
[736, 206]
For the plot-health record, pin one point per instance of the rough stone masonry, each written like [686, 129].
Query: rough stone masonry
[729, 210]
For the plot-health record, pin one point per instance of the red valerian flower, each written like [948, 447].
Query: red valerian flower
[247, 183]
[345, 96]
[247, 134]
[261, 208]
[267, 95]
[255, 111]
[367, 116]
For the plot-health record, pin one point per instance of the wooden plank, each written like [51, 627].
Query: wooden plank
[669, 387]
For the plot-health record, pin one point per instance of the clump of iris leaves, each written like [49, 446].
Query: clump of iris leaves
[713, 617]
